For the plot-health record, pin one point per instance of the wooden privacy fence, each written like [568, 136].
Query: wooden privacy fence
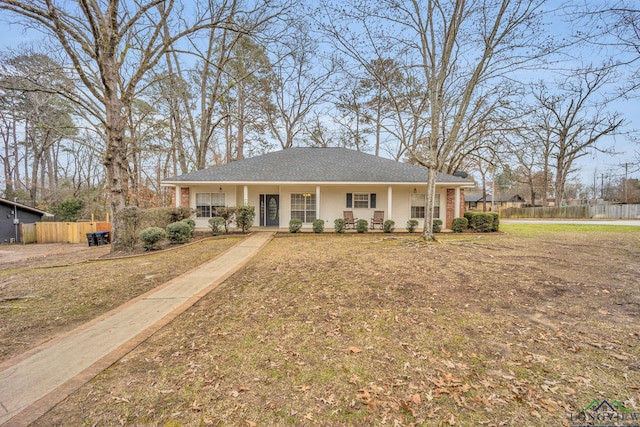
[575, 212]
[61, 232]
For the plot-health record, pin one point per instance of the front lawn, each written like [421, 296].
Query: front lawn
[517, 329]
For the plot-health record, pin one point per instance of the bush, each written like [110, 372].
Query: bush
[318, 225]
[228, 213]
[388, 226]
[68, 210]
[151, 237]
[295, 225]
[469, 215]
[192, 226]
[411, 225]
[362, 226]
[175, 214]
[495, 225]
[179, 232]
[437, 225]
[339, 225]
[216, 224]
[130, 218]
[244, 217]
[459, 224]
[481, 222]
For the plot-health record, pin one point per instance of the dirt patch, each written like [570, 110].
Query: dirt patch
[383, 330]
[12, 256]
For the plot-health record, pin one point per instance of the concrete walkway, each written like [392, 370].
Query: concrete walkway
[35, 382]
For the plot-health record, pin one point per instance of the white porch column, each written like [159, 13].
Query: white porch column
[456, 214]
[389, 202]
[318, 202]
[246, 195]
[178, 196]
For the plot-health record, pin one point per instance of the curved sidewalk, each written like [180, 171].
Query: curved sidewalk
[33, 383]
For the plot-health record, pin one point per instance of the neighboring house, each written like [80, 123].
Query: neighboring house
[310, 183]
[13, 214]
[475, 202]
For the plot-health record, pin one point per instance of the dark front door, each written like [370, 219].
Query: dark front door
[272, 210]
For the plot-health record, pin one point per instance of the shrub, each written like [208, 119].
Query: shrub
[362, 226]
[469, 215]
[228, 213]
[459, 224]
[318, 225]
[495, 225]
[192, 226]
[68, 210]
[130, 217]
[339, 225]
[216, 224]
[295, 225]
[437, 225]
[411, 225]
[179, 232]
[151, 237]
[244, 217]
[175, 214]
[388, 226]
[482, 222]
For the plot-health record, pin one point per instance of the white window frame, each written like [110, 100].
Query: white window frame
[211, 205]
[307, 209]
[421, 203]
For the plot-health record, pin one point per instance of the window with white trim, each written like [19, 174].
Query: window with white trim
[361, 201]
[303, 206]
[206, 204]
[418, 202]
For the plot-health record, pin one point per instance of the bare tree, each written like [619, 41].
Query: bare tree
[456, 51]
[300, 83]
[111, 47]
[572, 119]
[613, 26]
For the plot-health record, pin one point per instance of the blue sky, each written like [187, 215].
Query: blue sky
[591, 165]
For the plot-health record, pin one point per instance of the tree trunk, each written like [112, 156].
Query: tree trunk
[427, 231]
[116, 166]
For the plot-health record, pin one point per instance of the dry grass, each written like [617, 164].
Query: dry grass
[376, 330]
[64, 291]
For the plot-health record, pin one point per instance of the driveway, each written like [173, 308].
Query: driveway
[630, 222]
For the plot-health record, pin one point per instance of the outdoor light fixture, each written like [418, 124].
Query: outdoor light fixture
[414, 190]
[221, 189]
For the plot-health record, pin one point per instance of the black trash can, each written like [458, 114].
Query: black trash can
[102, 237]
[92, 239]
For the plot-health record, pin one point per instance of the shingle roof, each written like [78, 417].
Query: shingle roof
[24, 207]
[315, 165]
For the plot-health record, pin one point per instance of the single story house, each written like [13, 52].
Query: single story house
[310, 183]
[475, 202]
[12, 214]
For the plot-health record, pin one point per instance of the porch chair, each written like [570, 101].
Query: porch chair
[378, 218]
[349, 220]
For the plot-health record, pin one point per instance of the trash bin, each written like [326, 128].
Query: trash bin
[102, 237]
[92, 239]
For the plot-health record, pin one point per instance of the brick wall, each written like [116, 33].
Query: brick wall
[451, 206]
[184, 196]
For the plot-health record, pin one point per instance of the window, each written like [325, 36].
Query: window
[303, 206]
[361, 200]
[206, 203]
[418, 202]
